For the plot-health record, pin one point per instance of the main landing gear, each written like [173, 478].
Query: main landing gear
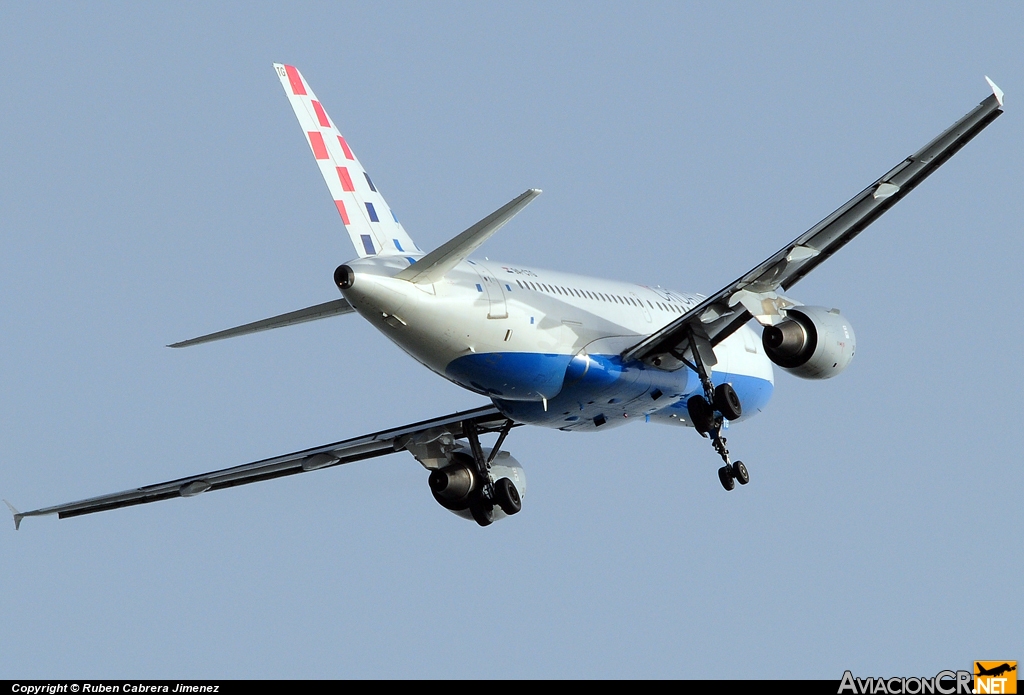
[709, 412]
[501, 493]
[475, 482]
[729, 475]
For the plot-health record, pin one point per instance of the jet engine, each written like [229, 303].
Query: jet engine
[459, 488]
[813, 342]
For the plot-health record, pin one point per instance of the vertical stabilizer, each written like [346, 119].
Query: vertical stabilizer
[370, 224]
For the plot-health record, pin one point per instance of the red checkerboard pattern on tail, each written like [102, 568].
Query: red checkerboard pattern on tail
[368, 219]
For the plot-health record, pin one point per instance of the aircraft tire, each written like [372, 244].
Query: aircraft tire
[483, 512]
[727, 402]
[740, 473]
[701, 415]
[507, 496]
[725, 475]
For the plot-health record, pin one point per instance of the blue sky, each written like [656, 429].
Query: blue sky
[155, 186]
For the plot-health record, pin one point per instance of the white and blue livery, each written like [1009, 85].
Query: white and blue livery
[553, 349]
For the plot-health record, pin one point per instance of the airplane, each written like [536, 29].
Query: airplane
[995, 671]
[549, 348]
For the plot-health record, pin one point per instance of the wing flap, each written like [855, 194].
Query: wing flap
[486, 418]
[725, 311]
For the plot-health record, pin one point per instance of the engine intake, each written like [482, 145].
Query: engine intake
[812, 343]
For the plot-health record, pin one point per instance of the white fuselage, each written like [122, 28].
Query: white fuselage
[544, 345]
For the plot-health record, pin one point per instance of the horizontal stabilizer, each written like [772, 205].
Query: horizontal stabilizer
[312, 313]
[435, 264]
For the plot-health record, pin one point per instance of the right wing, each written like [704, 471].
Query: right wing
[486, 419]
[756, 294]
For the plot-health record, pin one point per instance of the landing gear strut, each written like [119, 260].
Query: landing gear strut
[701, 410]
[502, 493]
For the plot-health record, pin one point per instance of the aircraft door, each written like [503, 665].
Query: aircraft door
[495, 292]
[643, 307]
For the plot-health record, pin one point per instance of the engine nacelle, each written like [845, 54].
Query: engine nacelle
[813, 342]
[457, 487]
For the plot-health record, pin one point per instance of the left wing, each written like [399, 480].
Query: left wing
[756, 294]
[486, 419]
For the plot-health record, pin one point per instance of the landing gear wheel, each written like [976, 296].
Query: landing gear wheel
[725, 475]
[483, 512]
[701, 414]
[727, 402]
[507, 496]
[739, 471]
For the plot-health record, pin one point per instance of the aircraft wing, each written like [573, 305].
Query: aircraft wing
[757, 293]
[486, 419]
